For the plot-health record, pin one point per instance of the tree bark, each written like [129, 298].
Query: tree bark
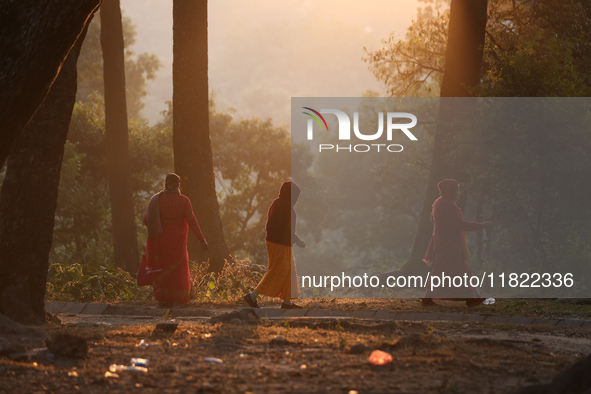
[117, 140]
[35, 38]
[463, 63]
[29, 198]
[191, 141]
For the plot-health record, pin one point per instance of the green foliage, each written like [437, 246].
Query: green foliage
[83, 203]
[79, 282]
[537, 49]
[82, 231]
[533, 182]
[532, 49]
[413, 67]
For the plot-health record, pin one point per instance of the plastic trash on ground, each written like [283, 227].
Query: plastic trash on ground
[111, 375]
[140, 362]
[114, 368]
[377, 357]
[143, 343]
[213, 360]
[489, 301]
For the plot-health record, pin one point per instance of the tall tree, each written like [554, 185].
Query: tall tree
[35, 38]
[117, 139]
[139, 68]
[29, 198]
[191, 140]
[463, 65]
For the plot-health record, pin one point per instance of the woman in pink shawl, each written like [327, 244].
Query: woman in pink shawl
[449, 246]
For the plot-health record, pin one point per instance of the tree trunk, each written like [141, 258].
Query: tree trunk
[463, 63]
[465, 41]
[29, 198]
[35, 37]
[191, 142]
[117, 140]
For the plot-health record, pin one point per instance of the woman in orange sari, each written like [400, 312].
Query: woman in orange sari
[281, 279]
[169, 217]
[449, 248]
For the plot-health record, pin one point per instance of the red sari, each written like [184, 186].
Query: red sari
[167, 252]
[449, 243]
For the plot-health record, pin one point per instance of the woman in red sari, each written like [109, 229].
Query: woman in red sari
[449, 246]
[169, 217]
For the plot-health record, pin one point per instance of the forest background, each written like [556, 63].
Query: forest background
[534, 189]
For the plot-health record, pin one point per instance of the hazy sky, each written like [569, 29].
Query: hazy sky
[263, 52]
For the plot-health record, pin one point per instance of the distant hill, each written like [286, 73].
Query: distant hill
[263, 52]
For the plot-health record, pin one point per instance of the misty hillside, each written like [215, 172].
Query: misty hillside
[264, 52]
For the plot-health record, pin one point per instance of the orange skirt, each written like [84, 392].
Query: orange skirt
[281, 279]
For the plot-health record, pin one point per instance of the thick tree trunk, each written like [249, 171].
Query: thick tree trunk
[35, 37]
[117, 140]
[191, 142]
[463, 63]
[29, 198]
[465, 41]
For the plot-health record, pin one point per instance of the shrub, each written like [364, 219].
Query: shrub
[79, 282]
[236, 279]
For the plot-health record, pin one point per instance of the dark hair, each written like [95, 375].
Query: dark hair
[172, 181]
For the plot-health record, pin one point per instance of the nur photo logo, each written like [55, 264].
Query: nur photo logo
[392, 120]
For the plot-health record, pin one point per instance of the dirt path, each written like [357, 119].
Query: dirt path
[428, 357]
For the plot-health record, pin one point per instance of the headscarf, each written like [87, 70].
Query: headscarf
[153, 211]
[282, 217]
[448, 188]
[290, 190]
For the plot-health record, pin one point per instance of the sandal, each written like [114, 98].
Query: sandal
[252, 303]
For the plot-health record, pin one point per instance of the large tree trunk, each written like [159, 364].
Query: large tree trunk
[463, 63]
[117, 140]
[191, 142]
[29, 198]
[35, 37]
